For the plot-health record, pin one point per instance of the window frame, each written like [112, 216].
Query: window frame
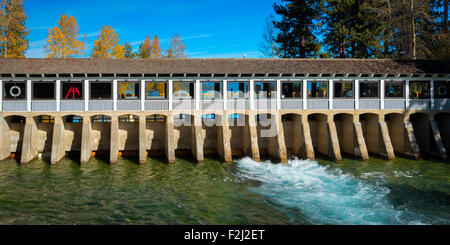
[214, 82]
[42, 82]
[184, 98]
[378, 82]
[327, 97]
[70, 82]
[166, 89]
[292, 98]
[274, 97]
[402, 82]
[15, 82]
[419, 81]
[352, 82]
[244, 94]
[436, 90]
[97, 82]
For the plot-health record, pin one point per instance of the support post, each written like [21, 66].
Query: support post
[142, 143]
[86, 140]
[115, 95]
[278, 94]
[308, 141]
[1, 95]
[252, 95]
[197, 94]
[86, 96]
[386, 140]
[30, 144]
[170, 93]
[58, 141]
[432, 95]
[382, 93]
[28, 95]
[224, 139]
[330, 94]
[334, 139]
[143, 95]
[415, 151]
[438, 139]
[305, 94]
[407, 94]
[114, 141]
[170, 139]
[356, 94]
[360, 138]
[197, 137]
[253, 137]
[58, 95]
[225, 94]
[5, 142]
[282, 151]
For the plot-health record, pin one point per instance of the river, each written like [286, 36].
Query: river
[376, 191]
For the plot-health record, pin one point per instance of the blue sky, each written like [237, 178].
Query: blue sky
[209, 28]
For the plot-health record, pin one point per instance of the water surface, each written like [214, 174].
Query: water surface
[245, 192]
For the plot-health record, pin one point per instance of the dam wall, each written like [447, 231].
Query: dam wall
[305, 134]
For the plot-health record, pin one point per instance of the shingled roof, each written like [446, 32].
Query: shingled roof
[222, 66]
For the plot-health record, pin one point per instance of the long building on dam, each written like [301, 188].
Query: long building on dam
[262, 108]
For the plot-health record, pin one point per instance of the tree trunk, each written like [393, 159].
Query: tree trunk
[413, 32]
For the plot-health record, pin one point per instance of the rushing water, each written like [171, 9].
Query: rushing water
[245, 192]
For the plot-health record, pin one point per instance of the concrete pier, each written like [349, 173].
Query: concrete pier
[224, 139]
[197, 138]
[437, 139]
[143, 140]
[58, 142]
[5, 142]
[30, 141]
[114, 147]
[253, 137]
[86, 140]
[334, 140]
[169, 139]
[386, 140]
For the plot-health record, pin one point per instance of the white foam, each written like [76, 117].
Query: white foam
[323, 195]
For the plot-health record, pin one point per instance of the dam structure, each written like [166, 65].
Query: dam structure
[229, 108]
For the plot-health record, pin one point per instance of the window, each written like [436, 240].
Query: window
[368, 89]
[72, 91]
[128, 118]
[183, 90]
[43, 90]
[343, 89]
[318, 90]
[291, 90]
[419, 90]
[101, 91]
[442, 90]
[46, 119]
[394, 89]
[128, 90]
[211, 90]
[265, 90]
[238, 90]
[14, 90]
[100, 119]
[155, 90]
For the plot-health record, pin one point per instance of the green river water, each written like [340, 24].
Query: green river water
[244, 192]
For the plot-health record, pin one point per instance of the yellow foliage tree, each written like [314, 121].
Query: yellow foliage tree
[62, 40]
[13, 32]
[107, 45]
[155, 48]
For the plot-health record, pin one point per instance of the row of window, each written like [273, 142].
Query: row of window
[236, 90]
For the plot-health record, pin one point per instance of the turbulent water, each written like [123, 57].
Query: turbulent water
[245, 192]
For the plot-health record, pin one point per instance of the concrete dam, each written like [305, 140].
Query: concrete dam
[229, 108]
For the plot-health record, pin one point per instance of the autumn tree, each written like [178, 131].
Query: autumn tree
[129, 54]
[62, 40]
[107, 45]
[176, 48]
[144, 48]
[13, 32]
[155, 48]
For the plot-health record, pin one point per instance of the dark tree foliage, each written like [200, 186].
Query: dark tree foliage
[297, 28]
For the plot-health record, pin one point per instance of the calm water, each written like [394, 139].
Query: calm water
[245, 192]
